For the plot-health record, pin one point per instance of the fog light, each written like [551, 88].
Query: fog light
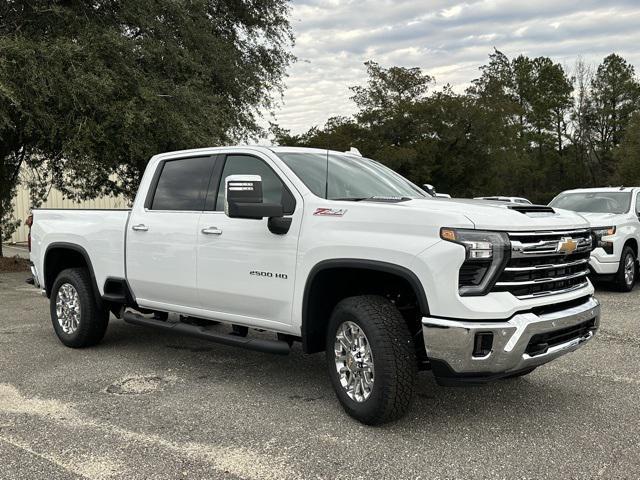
[483, 344]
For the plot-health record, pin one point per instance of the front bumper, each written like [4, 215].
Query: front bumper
[602, 263]
[450, 343]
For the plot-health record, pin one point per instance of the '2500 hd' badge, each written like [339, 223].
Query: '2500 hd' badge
[330, 212]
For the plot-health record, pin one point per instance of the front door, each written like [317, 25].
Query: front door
[246, 274]
[162, 235]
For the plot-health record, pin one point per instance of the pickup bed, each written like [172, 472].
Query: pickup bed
[332, 250]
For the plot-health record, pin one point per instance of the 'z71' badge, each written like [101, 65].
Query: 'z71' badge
[330, 212]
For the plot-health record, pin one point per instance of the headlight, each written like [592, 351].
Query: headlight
[486, 252]
[598, 241]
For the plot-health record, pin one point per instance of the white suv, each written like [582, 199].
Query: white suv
[614, 215]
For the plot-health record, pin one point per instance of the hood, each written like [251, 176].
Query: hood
[503, 216]
[603, 219]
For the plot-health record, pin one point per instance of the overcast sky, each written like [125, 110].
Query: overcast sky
[448, 39]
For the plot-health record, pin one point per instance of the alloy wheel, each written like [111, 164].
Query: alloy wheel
[68, 308]
[629, 269]
[354, 361]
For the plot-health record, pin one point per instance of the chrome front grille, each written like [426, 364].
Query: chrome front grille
[546, 263]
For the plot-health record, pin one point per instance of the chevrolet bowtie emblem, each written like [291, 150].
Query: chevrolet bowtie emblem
[567, 245]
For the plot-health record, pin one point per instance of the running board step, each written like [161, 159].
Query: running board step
[277, 347]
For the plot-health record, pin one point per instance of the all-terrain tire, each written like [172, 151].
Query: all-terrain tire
[393, 353]
[93, 318]
[625, 279]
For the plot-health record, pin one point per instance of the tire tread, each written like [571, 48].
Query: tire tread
[395, 350]
[94, 318]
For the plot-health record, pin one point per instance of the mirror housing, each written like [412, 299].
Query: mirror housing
[430, 189]
[243, 198]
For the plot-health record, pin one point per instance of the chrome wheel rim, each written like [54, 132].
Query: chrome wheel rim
[354, 361]
[629, 269]
[68, 308]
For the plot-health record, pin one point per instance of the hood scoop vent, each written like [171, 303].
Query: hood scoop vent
[533, 210]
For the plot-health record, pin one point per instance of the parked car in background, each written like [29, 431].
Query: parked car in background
[431, 190]
[614, 217]
[520, 200]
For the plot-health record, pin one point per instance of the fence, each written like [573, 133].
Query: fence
[22, 206]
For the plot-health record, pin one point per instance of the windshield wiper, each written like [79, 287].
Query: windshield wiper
[374, 199]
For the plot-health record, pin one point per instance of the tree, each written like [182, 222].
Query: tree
[614, 97]
[386, 104]
[524, 127]
[628, 153]
[580, 131]
[90, 91]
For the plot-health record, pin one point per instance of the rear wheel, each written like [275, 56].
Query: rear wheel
[78, 320]
[626, 275]
[371, 359]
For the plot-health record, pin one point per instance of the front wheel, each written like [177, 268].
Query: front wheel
[78, 320]
[371, 359]
[626, 275]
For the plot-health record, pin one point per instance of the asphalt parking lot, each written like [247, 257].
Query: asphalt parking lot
[145, 404]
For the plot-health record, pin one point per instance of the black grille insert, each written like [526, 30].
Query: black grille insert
[541, 342]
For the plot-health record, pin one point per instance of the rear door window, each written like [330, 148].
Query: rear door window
[183, 184]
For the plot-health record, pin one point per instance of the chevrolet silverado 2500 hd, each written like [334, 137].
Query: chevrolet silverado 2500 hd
[335, 251]
[614, 217]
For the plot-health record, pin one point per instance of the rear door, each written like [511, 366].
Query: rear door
[246, 273]
[162, 234]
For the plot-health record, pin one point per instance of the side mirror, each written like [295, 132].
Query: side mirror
[430, 189]
[243, 198]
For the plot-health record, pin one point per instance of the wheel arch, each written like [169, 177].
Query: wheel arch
[315, 313]
[633, 243]
[62, 255]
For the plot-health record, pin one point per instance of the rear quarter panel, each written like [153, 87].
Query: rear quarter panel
[99, 232]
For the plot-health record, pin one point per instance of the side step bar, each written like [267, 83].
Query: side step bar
[277, 347]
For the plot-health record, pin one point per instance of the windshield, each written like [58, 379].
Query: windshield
[350, 177]
[594, 202]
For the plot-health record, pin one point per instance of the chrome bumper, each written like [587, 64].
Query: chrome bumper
[450, 343]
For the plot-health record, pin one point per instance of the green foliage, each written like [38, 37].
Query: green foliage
[524, 127]
[615, 93]
[628, 154]
[89, 91]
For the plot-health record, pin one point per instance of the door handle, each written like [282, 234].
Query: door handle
[140, 228]
[212, 231]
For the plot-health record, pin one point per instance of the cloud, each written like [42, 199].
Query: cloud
[448, 40]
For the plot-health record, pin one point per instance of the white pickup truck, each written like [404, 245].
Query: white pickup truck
[614, 216]
[332, 250]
